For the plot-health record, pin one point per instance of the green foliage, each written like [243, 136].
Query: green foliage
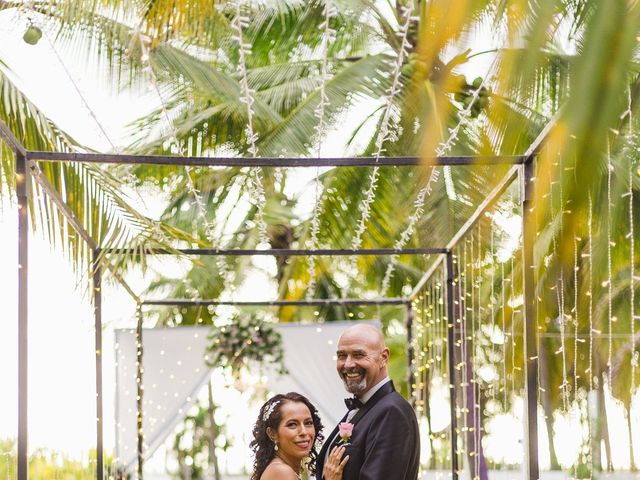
[583, 468]
[46, 463]
[398, 362]
[192, 443]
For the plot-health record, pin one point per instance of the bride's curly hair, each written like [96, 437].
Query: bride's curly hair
[270, 416]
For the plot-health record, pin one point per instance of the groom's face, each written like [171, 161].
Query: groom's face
[361, 362]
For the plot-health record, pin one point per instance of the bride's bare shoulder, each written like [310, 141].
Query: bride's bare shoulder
[278, 471]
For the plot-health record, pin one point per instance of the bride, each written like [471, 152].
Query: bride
[285, 435]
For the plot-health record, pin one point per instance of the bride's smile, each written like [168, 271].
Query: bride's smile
[296, 432]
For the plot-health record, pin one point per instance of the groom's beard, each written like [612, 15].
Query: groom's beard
[354, 386]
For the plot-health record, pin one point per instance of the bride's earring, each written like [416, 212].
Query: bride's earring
[275, 446]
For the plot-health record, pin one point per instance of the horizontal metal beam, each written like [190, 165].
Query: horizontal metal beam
[284, 252]
[272, 162]
[183, 302]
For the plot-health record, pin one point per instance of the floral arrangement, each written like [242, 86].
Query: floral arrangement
[246, 339]
[345, 430]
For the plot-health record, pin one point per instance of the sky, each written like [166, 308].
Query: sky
[61, 359]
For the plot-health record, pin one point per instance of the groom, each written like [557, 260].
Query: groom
[384, 442]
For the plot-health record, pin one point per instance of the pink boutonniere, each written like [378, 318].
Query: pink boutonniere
[345, 430]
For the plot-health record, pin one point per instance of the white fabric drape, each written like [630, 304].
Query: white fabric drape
[175, 371]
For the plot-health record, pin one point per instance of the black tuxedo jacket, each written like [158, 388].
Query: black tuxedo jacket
[385, 444]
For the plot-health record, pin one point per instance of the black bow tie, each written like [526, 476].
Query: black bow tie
[353, 403]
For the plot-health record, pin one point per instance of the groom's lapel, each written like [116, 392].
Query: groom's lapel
[328, 441]
[332, 436]
[386, 389]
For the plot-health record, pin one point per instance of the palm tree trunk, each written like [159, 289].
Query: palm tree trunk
[604, 424]
[632, 460]
[213, 434]
[547, 407]
[594, 429]
[548, 420]
[280, 237]
[427, 413]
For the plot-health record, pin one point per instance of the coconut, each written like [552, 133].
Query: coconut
[32, 35]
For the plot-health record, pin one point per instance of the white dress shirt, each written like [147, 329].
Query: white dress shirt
[365, 398]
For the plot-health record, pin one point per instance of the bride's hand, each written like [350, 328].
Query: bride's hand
[335, 464]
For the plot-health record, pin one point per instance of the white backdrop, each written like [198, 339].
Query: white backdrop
[175, 371]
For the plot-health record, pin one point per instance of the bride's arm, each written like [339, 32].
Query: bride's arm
[335, 464]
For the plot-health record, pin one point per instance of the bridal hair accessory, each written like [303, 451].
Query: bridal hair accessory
[345, 430]
[269, 410]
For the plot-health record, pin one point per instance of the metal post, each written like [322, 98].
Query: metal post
[97, 314]
[411, 372]
[22, 182]
[530, 330]
[451, 360]
[140, 392]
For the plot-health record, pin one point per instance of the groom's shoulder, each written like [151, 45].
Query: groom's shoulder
[395, 402]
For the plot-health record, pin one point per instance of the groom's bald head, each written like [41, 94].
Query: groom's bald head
[365, 333]
[361, 358]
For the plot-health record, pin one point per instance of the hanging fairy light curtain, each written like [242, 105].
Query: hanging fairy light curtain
[587, 308]
[486, 350]
[487, 333]
[431, 389]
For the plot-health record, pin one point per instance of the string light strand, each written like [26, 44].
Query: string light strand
[385, 133]
[328, 37]
[256, 187]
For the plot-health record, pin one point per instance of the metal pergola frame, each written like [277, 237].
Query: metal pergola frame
[521, 168]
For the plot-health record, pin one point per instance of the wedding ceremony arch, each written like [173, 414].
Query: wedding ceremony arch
[521, 170]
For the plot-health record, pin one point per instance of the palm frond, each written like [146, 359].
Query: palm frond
[361, 79]
[91, 193]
